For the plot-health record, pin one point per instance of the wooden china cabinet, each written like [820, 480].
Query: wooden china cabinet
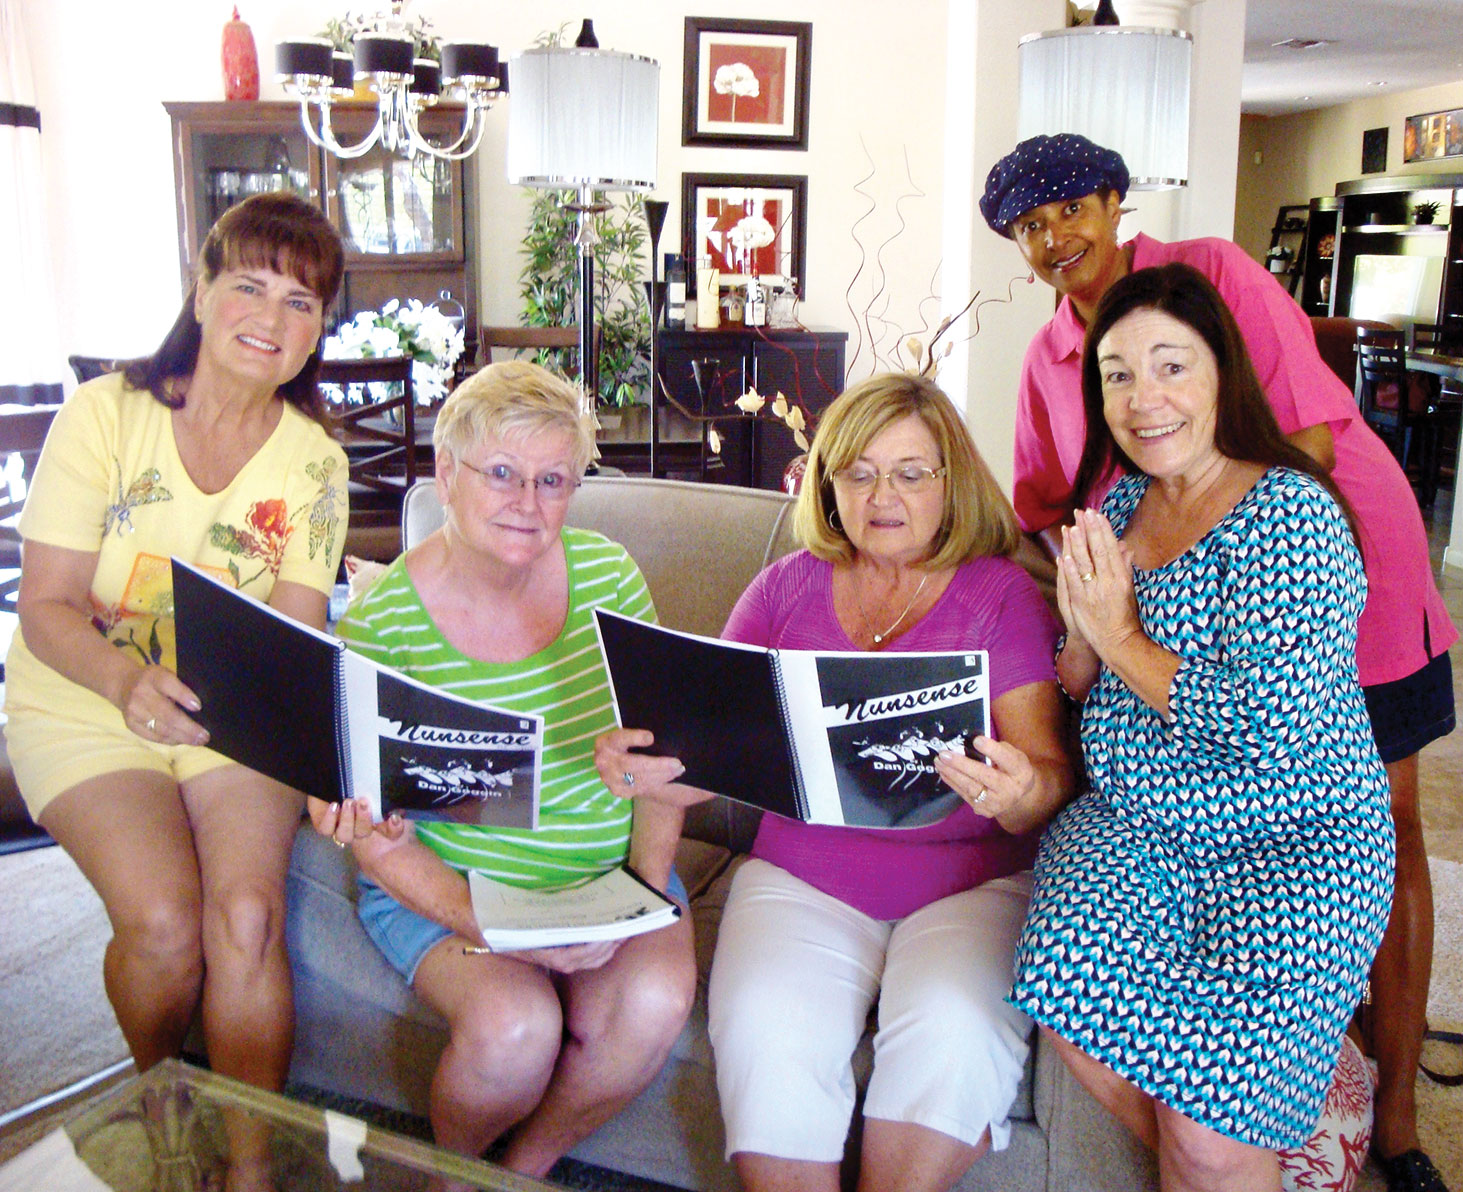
[409, 225]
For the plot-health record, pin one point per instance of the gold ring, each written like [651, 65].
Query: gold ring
[980, 798]
[337, 843]
[1087, 576]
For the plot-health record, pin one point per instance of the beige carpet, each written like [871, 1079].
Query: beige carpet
[1440, 1110]
[56, 1026]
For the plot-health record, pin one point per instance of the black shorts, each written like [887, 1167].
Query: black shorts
[1409, 712]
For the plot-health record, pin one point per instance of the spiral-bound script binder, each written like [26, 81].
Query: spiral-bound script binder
[829, 737]
[298, 706]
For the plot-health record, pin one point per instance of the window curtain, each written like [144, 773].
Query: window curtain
[31, 365]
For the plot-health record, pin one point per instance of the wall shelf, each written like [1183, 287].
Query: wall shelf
[1373, 217]
[1400, 229]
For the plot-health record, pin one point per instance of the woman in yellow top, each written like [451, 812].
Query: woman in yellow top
[207, 450]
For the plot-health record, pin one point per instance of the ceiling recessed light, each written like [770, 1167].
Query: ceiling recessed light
[1300, 43]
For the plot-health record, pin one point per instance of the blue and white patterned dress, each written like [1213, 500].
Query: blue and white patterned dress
[1204, 919]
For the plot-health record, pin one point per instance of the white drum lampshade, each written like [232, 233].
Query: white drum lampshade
[1123, 87]
[583, 118]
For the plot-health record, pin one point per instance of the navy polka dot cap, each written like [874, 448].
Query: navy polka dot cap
[1047, 170]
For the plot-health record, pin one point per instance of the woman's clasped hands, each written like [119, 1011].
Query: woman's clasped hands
[1095, 583]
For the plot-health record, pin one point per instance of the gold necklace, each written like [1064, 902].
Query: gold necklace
[869, 625]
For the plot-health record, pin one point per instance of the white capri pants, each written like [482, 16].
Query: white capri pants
[795, 974]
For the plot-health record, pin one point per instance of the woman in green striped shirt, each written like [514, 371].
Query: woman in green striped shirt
[497, 606]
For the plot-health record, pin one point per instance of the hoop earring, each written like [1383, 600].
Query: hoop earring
[835, 522]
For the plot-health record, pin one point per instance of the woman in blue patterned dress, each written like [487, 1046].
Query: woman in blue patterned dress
[1203, 920]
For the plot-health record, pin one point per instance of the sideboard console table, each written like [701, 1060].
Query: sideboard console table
[805, 365]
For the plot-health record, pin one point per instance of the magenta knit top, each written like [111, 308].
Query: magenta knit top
[992, 605]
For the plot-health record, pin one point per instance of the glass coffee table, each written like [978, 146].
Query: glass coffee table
[178, 1128]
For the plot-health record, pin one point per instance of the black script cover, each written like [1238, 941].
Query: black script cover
[830, 737]
[298, 706]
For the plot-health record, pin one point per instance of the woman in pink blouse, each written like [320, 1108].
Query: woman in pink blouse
[906, 537]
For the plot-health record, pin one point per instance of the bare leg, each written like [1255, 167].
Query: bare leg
[905, 1157]
[1135, 1109]
[1194, 1158]
[767, 1173]
[128, 833]
[244, 825]
[620, 1021]
[1401, 973]
[505, 1028]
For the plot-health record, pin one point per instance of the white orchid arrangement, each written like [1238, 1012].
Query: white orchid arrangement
[415, 329]
[738, 80]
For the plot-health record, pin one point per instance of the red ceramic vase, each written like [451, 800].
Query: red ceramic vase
[240, 61]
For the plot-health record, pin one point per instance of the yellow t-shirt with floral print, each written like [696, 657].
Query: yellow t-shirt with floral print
[110, 481]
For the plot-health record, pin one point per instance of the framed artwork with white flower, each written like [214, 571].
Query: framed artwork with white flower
[747, 225]
[746, 83]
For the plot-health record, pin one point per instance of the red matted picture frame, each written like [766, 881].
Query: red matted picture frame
[745, 84]
[747, 224]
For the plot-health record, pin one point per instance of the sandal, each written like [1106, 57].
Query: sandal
[1447, 1079]
[1411, 1171]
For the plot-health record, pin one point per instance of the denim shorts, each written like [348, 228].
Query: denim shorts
[405, 937]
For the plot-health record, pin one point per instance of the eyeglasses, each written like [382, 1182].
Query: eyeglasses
[905, 480]
[552, 487]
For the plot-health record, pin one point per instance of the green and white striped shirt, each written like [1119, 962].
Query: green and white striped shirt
[583, 829]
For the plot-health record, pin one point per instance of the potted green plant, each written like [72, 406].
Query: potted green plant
[1424, 213]
[549, 285]
[341, 32]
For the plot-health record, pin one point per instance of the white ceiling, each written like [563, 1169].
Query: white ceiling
[1376, 46]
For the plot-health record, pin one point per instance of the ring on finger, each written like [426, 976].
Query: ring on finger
[337, 843]
[1087, 576]
[980, 798]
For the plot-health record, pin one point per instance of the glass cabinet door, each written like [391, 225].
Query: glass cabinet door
[386, 205]
[223, 153]
[233, 166]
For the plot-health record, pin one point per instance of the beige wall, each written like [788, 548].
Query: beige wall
[1306, 155]
[878, 122]
[109, 170]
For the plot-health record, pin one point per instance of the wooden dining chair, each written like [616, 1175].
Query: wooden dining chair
[1336, 343]
[378, 430]
[89, 368]
[511, 342]
[1447, 394]
[23, 431]
[1400, 406]
[372, 413]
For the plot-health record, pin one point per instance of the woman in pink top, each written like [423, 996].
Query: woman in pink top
[1059, 198]
[906, 534]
